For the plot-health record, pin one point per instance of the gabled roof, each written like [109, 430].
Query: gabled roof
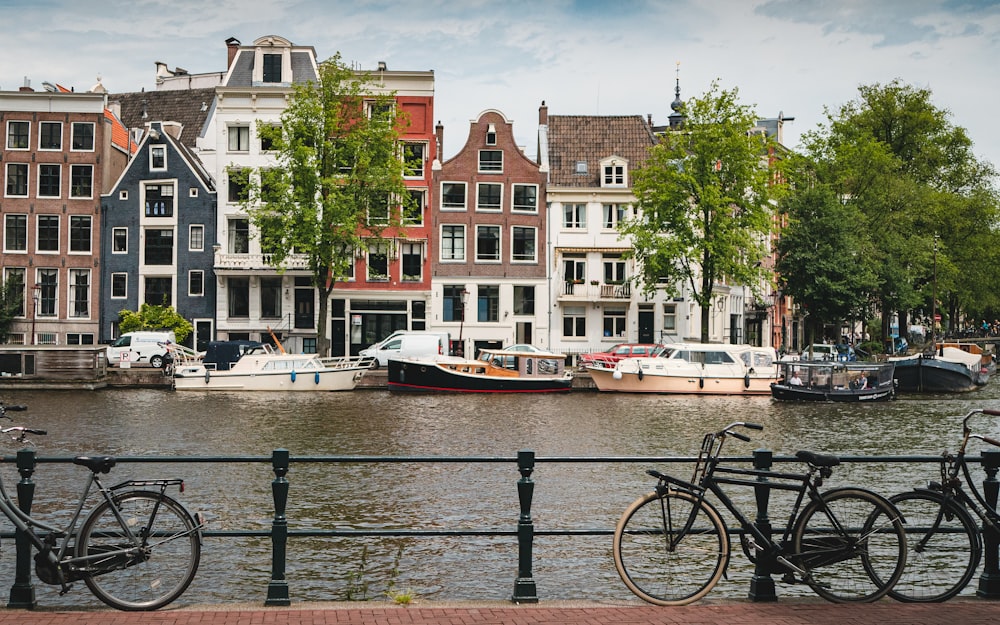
[121, 138]
[591, 138]
[188, 107]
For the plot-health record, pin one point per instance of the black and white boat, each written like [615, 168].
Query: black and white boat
[807, 380]
[947, 370]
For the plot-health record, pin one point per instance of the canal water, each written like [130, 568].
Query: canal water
[445, 496]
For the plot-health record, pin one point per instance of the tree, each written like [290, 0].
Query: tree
[150, 317]
[339, 172]
[703, 199]
[11, 306]
[824, 258]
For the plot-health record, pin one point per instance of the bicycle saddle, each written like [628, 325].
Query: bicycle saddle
[101, 464]
[817, 460]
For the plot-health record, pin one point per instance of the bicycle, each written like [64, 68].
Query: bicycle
[138, 549]
[671, 546]
[946, 545]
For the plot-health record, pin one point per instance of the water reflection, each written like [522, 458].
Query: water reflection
[445, 496]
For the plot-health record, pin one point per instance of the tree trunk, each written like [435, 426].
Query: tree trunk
[323, 323]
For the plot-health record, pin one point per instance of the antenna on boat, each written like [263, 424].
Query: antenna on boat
[274, 338]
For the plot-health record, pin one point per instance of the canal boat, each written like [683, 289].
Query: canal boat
[516, 369]
[946, 370]
[835, 381]
[692, 368]
[259, 367]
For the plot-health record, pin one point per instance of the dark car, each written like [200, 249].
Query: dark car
[620, 351]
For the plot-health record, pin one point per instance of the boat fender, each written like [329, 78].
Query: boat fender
[208, 374]
[701, 382]
[293, 375]
[617, 374]
[316, 378]
[640, 374]
[746, 381]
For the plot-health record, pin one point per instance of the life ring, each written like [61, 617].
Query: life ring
[293, 375]
[640, 374]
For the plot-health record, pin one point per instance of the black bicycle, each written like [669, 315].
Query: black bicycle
[945, 542]
[672, 546]
[138, 549]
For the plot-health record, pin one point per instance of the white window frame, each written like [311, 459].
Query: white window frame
[59, 221]
[490, 167]
[612, 215]
[156, 152]
[459, 253]
[38, 180]
[42, 124]
[192, 238]
[90, 231]
[75, 167]
[465, 196]
[192, 273]
[419, 175]
[71, 288]
[421, 194]
[574, 216]
[534, 245]
[499, 232]
[10, 136]
[93, 137]
[235, 133]
[489, 208]
[575, 313]
[618, 318]
[614, 173]
[24, 241]
[120, 275]
[521, 208]
[27, 178]
[114, 239]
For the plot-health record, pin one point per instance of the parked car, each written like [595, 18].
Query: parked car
[620, 351]
[825, 351]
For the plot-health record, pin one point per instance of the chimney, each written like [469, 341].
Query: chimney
[232, 47]
[27, 85]
[543, 114]
[439, 131]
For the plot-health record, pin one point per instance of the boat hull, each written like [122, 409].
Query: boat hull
[633, 382]
[430, 377]
[195, 379]
[790, 392]
[931, 375]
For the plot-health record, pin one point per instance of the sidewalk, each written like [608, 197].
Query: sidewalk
[958, 611]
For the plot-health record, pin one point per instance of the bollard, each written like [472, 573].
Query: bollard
[524, 585]
[22, 593]
[277, 589]
[989, 581]
[761, 584]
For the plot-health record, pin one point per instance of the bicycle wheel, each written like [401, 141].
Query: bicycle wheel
[945, 547]
[853, 545]
[670, 549]
[160, 572]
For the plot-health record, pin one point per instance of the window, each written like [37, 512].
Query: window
[381, 111]
[81, 181]
[119, 241]
[270, 298]
[526, 198]
[196, 283]
[75, 338]
[452, 243]
[574, 216]
[272, 67]
[574, 322]
[574, 268]
[488, 243]
[580, 168]
[239, 236]
[453, 196]
[452, 302]
[239, 138]
[614, 214]
[524, 300]
[15, 235]
[413, 212]
[378, 209]
[196, 238]
[48, 180]
[79, 293]
[411, 261]
[614, 270]
[238, 290]
[80, 234]
[491, 161]
[488, 196]
[267, 139]
[159, 249]
[669, 318]
[238, 185]
[159, 291]
[83, 137]
[378, 261]
[614, 175]
[119, 285]
[488, 303]
[17, 135]
[50, 136]
[491, 135]
[48, 233]
[614, 323]
[14, 279]
[48, 281]
[413, 159]
[157, 157]
[17, 180]
[523, 244]
[159, 200]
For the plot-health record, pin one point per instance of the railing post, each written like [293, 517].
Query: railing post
[277, 589]
[989, 581]
[22, 593]
[524, 585]
[761, 585]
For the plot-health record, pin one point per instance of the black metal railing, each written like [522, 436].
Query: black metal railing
[762, 588]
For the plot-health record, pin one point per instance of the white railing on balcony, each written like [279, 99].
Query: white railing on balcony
[259, 261]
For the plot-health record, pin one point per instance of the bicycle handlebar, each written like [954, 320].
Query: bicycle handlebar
[967, 431]
[743, 437]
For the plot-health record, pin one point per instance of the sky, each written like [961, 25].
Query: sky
[795, 58]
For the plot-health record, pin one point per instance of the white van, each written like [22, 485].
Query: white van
[391, 346]
[142, 346]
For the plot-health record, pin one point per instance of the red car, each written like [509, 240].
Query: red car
[616, 353]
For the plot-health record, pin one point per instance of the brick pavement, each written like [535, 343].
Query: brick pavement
[955, 612]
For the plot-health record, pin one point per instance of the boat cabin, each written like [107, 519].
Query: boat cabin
[834, 376]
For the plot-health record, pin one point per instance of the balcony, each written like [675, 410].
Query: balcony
[258, 261]
[583, 291]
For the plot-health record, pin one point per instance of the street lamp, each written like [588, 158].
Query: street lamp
[34, 311]
[461, 325]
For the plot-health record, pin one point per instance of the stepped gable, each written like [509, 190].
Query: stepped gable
[590, 138]
[188, 107]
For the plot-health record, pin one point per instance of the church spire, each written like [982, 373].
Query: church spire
[676, 118]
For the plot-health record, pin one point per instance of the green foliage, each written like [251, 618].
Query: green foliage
[151, 317]
[338, 174]
[11, 306]
[703, 198]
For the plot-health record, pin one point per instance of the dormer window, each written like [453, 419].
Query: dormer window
[272, 68]
[491, 135]
[614, 172]
[581, 168]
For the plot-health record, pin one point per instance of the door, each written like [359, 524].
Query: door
[646, 326]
